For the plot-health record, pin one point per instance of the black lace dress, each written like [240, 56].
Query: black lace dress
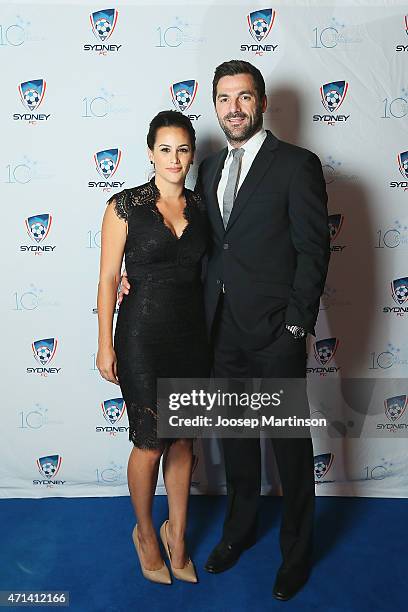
[160, 330]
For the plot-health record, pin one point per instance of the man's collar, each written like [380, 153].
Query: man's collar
[253, 143]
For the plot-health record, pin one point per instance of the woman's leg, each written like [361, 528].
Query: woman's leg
[143, 467]
[177, 466]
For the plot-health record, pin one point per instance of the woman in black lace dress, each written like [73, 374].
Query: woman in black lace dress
[160, 332]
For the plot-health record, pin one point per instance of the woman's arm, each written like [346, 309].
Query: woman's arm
[114, 231]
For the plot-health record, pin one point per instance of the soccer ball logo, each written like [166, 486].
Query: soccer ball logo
[49, 466]
[399, 290]
[322, 464]
[43, 354]
[107, 162]
[103, 27]
[325, 349]
[103, 23]
[260, 23]
[332, 99]
[395, 407]
[38, 226]
[333, 95]
[183, 94]
[260, 28]
[31, 98]
[38, 231]
[107, 167]
[32, 93]
[335, 223]
[403, 163]
[183, 99]
[48, 469]
[113, 409]
[44, 350]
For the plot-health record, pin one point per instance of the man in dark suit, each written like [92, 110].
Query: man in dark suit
[267, 206]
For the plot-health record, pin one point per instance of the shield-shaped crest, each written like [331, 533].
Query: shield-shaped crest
[399, 290]
[333, 95]
[394, 407]
[403, 164]
[260, 23]
[322, 464]
[324, 350]
[44, 350]
[113, 409]
[32, 93]
[103, 23]
[406, 23]
[183, 94]
[335, 223]
[107, 162]
[49, 466]
[38, 226]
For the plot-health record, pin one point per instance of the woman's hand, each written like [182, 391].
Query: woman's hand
[106, 363]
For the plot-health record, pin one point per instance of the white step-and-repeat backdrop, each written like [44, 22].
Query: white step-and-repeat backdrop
[80, 83]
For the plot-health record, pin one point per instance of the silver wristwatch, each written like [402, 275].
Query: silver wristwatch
[296, 331]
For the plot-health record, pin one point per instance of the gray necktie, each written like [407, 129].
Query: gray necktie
[232, 184]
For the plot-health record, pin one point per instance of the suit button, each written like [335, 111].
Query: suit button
[225, 246]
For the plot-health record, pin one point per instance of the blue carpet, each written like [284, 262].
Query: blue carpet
[84, 546]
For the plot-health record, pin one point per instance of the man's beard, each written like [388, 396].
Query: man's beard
[249, 130]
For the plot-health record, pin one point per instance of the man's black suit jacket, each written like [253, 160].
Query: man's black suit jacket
[273, 255]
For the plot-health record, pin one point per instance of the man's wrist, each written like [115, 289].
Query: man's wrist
[296, 330]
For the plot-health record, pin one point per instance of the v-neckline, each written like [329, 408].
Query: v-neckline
[160, 216]
[167, 227]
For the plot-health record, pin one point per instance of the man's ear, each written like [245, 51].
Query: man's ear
[264, 103]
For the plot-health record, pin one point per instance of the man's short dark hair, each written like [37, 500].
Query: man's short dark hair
[239, 67]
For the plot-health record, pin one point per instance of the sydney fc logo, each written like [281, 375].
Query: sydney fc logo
[399, 290]
[107, 162]
[49, 466]
[322, 464]
[103, 23]
[333, 95]
[260, 23]
[325, 350]
[395, 407]
[335, 223]
[32, 93]
[403, 163]
[38, 226]
[44, 350]
[183, 94]
[113, 409]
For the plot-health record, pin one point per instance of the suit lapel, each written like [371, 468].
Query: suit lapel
[259, 167]
[211, 194]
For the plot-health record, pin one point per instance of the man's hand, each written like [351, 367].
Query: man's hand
[124, 287]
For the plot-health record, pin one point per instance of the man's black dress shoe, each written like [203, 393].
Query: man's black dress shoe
[288, 583]
[225, 555]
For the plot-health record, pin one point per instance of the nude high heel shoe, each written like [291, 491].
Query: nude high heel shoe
[186, 573]
[161, 575]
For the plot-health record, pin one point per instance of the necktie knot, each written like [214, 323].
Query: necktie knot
[237, 153]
